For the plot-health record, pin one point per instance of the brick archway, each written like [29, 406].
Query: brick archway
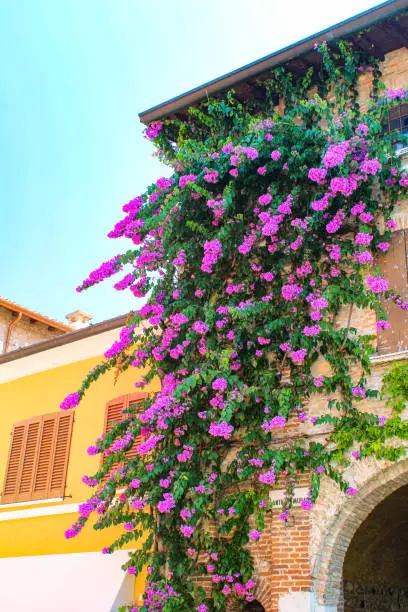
[336, 520]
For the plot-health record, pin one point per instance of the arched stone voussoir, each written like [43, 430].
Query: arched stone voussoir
[336, 518]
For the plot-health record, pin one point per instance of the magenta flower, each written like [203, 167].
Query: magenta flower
[358, 392]
[306, 504]
[319, 303]
[255, 535]
[267, 477]
[211, 176]
[321, 204]
[221, 430]
[362, 128]
[382, 324]
[313, 330]
[317, 175]
[187, 530]
[187, 178]
[219, 384]
[298, 357]
[364, 257]
[274, 423]
[71, 533]
[70, 401]
[148, 445]
[377, 284]
[370, 166]
[351, 492]
[336, 154]
[167, 504]
[366, 217]
[363, 239]
[291, 292]
[265, 199]
[135, 483]
[212, 252]
[152, 131]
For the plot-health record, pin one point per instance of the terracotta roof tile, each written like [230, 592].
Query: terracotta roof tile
[32, 314]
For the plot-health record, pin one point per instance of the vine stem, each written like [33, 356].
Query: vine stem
[348, 325]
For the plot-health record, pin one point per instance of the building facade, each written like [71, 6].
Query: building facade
[347, 553]
[20, 326]
[42, 461]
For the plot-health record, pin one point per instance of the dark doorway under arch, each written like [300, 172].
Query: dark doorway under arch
[375, 569]
[254, 606]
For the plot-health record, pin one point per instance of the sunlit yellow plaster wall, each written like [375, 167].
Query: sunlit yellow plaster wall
[41, 393]
[44, 535]
[38, 394]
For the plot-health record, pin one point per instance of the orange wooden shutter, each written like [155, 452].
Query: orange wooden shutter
[14, 462]
[393, 265]
[38, 458]
[60, 458]
[114, 413]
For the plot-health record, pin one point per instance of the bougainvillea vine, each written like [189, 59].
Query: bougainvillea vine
[266, 231]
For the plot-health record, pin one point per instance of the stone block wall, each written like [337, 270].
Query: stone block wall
[25, 332]
[374, 598]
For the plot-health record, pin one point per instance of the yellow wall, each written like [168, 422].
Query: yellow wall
[42, 393]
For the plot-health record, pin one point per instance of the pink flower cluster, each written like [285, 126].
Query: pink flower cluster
[212, 252]
[336, 154]
[153, 130]
[70, 401]
[377, 284]
[106, 270]
[221, 430]
[125, 339]
[291, 291]
[317, 175]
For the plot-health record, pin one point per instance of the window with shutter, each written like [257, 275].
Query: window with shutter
[393, 265]
[114, 410]
[38, 458]
[397, 125]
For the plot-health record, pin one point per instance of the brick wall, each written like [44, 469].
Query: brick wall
[299, 564]
[25, 332]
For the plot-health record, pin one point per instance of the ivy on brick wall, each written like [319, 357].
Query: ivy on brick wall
[395, 386]
[264, 230]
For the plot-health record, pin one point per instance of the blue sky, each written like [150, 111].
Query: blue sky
[74, 76]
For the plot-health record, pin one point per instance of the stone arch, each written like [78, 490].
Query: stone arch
[263, 591]
[336, 520]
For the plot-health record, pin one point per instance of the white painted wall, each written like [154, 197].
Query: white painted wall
[80, 582]
[299, 601]
[93, 346]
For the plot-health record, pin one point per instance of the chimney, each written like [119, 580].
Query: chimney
[79, 319]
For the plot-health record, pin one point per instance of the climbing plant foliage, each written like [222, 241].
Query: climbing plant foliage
[260, 240]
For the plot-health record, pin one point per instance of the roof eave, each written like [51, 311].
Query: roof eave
[343, 29]
[71, 336]
[35, 316]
